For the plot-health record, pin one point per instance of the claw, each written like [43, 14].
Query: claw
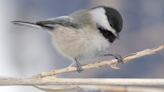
[79, 69]
[118, 57]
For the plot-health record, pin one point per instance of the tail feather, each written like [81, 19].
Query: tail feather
[33, 25]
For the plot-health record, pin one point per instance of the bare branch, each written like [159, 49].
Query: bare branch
[42, 80]
[77, 81]
[91, 88]
[121, 89]
[101, 64]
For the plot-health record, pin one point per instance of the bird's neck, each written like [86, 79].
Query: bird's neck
[107, 34]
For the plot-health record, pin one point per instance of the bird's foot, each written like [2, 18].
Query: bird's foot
[118, 57]
[79, 67]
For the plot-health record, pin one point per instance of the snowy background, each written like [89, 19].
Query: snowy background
[25, 52]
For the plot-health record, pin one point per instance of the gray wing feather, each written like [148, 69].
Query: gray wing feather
[63, 20]
[33, 25]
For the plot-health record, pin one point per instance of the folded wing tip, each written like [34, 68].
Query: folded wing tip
[32, 25]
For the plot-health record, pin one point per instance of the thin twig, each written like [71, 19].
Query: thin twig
[121, 89]
[77, 81]
[91, 88]
[101, 64]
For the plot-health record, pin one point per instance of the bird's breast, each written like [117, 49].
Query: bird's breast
[79, 43]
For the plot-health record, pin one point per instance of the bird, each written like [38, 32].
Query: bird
[84, 34]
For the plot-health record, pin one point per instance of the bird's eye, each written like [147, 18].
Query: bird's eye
[111, 25]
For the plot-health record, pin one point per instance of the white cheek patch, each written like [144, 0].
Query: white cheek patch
[101, 19]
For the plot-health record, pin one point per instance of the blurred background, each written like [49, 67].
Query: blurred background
[25, 52]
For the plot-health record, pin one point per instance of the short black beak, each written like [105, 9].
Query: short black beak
[117, 36]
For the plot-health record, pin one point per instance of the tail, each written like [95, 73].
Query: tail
[33, 25]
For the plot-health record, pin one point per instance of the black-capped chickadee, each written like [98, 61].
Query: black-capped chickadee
[83, 35]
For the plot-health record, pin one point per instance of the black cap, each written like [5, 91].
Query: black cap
[114, 18]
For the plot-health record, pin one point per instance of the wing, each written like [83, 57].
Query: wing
[63, 20]
[33, 25]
